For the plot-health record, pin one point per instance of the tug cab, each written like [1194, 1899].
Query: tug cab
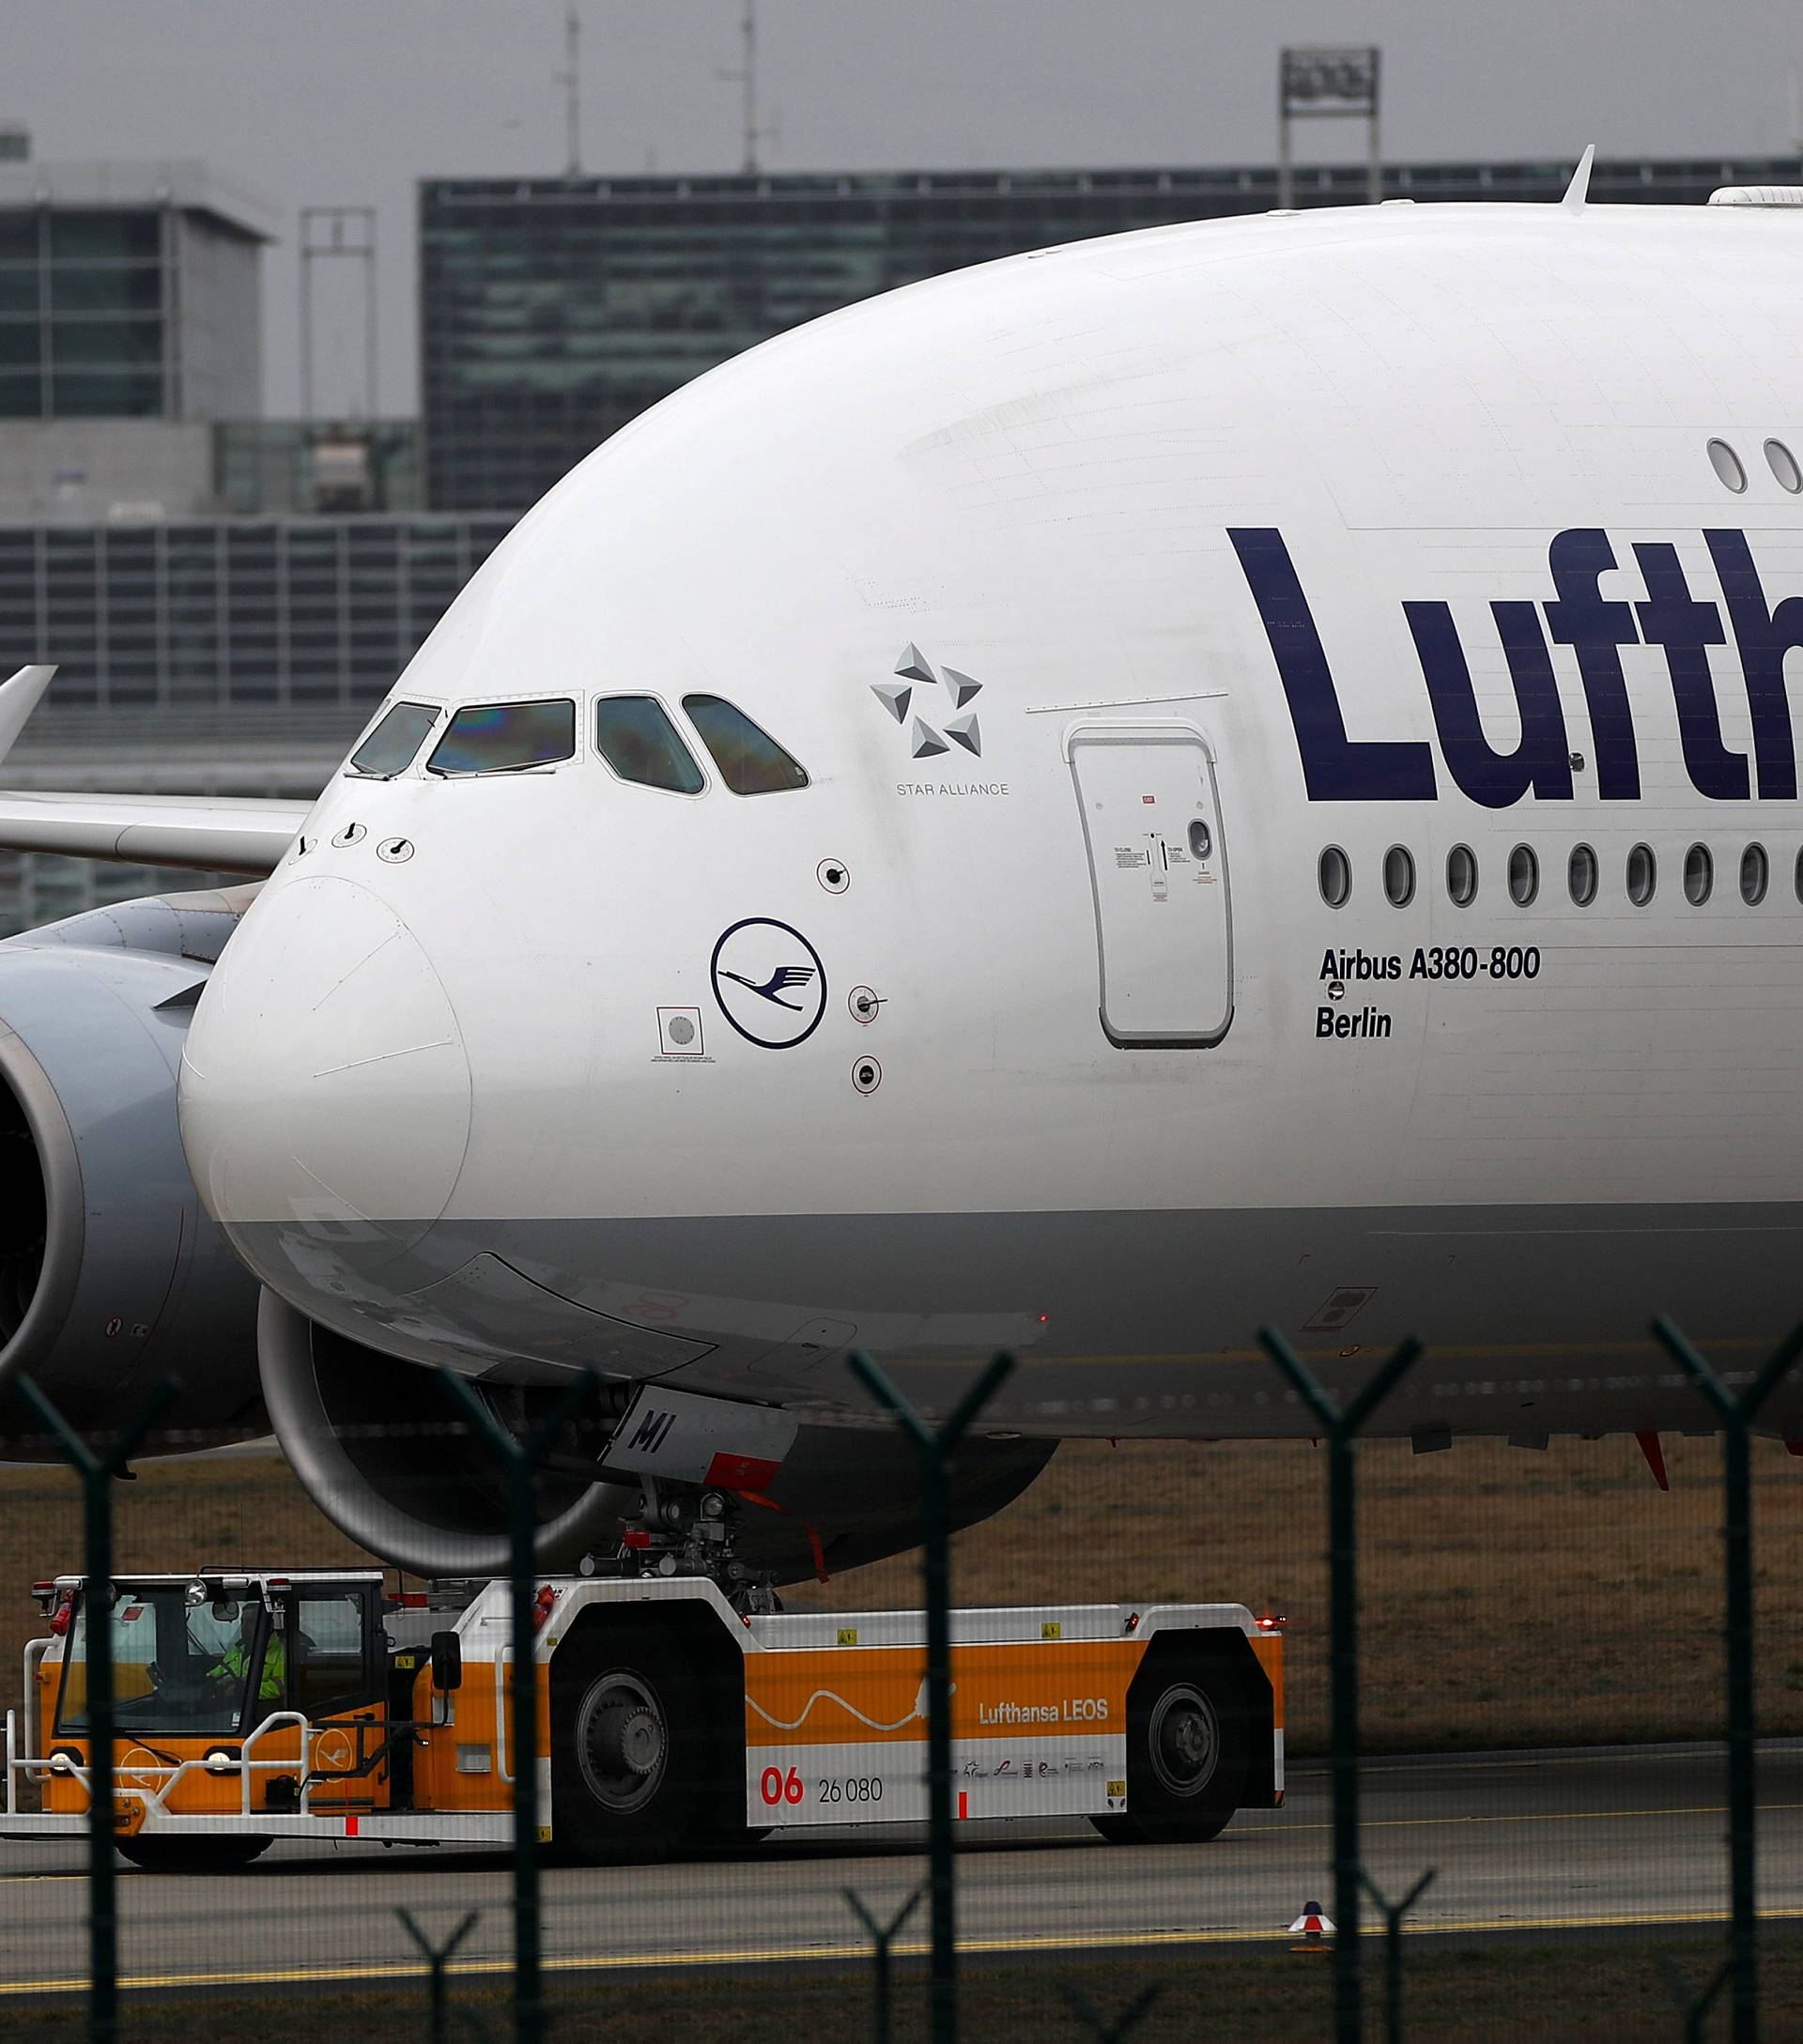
[230, 1688]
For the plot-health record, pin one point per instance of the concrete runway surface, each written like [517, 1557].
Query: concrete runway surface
[1549, 1843]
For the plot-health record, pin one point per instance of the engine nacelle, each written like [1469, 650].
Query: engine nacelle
[385, 1455]
[378, 1447]
[111, 1273]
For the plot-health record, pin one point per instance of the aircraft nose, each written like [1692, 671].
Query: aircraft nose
[325, 1084]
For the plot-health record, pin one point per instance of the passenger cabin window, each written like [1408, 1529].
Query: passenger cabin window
[505, 738]
[391, 747]
[1461, 876]
[1699, 875]
[1400, 876]
[635, 736]
[750, 761]
[1755, 875]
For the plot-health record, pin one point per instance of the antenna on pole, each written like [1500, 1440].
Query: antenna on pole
[570, 78]
[748, 30]
[746, 77]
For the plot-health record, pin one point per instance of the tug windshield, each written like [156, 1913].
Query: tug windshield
[176, 1666]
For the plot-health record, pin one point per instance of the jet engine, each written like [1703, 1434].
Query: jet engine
[382, 1451]
[111, 1274]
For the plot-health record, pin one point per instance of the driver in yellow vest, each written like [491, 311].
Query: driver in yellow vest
[234, 1663]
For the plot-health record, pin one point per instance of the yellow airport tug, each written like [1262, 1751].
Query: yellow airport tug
[254, 1705]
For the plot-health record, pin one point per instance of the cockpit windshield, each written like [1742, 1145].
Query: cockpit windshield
[505, 738]
[750, 761]
[179, 1667]
[635, 736]
[390, 749]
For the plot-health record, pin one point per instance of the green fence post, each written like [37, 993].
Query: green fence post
[1736, 1416]
[1341, 1428]
[1110, 2032]
[521, 1460]
[436, 1958]
[1392, 1913]
[97, 1473]
[883, 1937]
[934, 1449]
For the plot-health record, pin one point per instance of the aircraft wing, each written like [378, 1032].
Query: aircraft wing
[208, 834]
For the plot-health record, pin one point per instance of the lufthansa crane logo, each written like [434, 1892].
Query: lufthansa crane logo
[951, 705]
[779, 983]
[769, 983]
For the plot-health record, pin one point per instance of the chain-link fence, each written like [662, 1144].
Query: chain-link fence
[1507, 1739]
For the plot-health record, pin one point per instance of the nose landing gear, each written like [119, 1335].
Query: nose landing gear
[684, 1529]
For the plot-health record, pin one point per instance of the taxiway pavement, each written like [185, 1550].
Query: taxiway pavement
[1547, 1842]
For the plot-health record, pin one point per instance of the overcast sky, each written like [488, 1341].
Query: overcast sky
[349, 101]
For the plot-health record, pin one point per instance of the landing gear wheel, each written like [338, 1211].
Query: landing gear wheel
[222, 1856]
[1187, 1729]
[630, 1743]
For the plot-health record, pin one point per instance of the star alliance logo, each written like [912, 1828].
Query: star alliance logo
[924, 740]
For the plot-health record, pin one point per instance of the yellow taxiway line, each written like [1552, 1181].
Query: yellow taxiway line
[789, 1954]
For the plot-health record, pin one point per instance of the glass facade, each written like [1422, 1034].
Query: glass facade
[83, 297]
[281, 612]
[553, 311]
[295, 465]
[129, 291]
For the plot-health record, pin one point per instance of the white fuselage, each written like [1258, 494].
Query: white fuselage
[1223, 511]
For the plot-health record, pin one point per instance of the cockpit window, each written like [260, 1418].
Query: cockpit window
[750, 761]
[505, 738]
[635, 736]
[390, 747]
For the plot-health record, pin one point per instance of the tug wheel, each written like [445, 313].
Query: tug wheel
[1187, 1745]
[221, 1855]
[630, 1744]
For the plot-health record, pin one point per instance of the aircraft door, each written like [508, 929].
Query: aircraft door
[1158, 867]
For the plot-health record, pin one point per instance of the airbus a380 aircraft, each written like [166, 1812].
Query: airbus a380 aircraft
[1240, 773]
